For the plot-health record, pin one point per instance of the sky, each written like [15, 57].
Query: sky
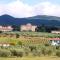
[28, 8]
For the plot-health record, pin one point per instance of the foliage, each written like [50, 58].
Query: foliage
[58, 53]
[19, 43]
[17, 53]
[5, 53]
[17, 35]
[32, 48]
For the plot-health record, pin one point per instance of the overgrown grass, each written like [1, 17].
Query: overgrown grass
[44, 34]
[32, 58]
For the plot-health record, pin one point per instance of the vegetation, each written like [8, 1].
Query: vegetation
[24, 44]
[31, 58]
[29, 50]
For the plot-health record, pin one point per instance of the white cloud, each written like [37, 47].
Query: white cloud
[19, 9]
[16, 9]
[47, 8]
[2, 9]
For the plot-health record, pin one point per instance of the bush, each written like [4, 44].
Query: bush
[57, 47]
[46, 51]
[17, 53]
[49, 52]
[20, 53]
[5, 53]
[58, 53]
[13, 52]
[36, 53]
[17, 35]
[32, 48]
[13, 44]
[19, 43]
[27, 50]
[47, 44]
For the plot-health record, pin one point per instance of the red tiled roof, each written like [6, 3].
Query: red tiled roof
[54, 38]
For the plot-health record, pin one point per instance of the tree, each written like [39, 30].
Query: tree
[16, 28]
[41, 28]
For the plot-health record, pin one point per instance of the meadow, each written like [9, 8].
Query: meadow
[28, 46]
[27, 37]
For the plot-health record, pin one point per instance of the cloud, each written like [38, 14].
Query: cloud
[16, 9]
[19, 9]
[47, 8]
[2, 9]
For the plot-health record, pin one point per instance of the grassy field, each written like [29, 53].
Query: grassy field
[32, 58]
[44, 34]
[27, 37]
[32, 40]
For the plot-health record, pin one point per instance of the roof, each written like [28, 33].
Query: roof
[54, 38]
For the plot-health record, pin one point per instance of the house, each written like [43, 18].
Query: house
[55, 32]
[4, 44]
[54, 41]
[6, 28]
[28, 27]
[7, 44]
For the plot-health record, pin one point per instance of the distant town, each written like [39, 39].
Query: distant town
[30, 28]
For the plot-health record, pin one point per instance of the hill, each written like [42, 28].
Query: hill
[36, 20]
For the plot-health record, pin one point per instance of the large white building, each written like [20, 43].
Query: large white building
[6, 28]
[28, 27]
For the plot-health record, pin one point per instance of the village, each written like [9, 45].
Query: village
[27, 28]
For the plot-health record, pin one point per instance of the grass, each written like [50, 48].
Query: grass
[44, 34]
[28, 37]
[32, 58]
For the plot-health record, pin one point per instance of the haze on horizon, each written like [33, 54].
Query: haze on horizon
[28, 8]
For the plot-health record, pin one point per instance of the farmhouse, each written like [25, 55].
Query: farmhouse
[56, 32]
[6, 28]
[54, 41]
[28, 27]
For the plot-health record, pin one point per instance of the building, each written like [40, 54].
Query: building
[54, 41]
[56, 32]
[6, 28]
[28, 27]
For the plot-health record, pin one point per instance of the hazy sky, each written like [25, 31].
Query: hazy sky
[27, 8]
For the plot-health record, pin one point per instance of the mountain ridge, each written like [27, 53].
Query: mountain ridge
[35, 20]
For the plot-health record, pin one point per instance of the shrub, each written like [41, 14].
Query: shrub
[47, 44]
[32, 48]
[46, 51]
[19, 43]
[13, 44]
[27, 50]
[57, 47]
[36, 53]
[13, 52]
[17, 35]
[17, 53]
[5, 53]
[20, 53]
[49, 52]
[58, 53]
